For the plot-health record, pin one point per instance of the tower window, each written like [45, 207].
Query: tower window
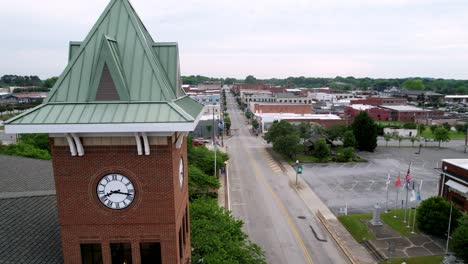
[150, 253]
[121, 253]
[91, 253]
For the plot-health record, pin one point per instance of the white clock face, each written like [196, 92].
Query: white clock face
[115, 191]
[181, 172]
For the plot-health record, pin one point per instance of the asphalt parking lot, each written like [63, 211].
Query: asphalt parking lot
[359, 186]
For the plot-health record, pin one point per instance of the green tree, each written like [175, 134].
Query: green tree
[287, 144]
[255, 124]
[248, 115]
[460, 238]
[387, 137]
[413, 139]
[433, 128]
[203, 158]
[250, 79]
[399, 138]
[40, 141]
[336, 132]
[49, 83]
[441, 134]
[345, 154]
[421, 128]
[321, 150]
[25, 150]
[414, 85]
[365, 132]
[227, 123]
[349, 141]
[410, 125]
[200, 183]
[447, 126]
[279, 129]
[433, 216]
[305, 130]
[229, 81]
[217, 236]
[461, 128]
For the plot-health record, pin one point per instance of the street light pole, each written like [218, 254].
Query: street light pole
[448, 230]
[297, 164]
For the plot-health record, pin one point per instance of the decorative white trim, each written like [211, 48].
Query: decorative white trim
[71, 144]
[109, 134]
[79, 146]
[146, 143]
[138, 143]
[102, 128]
[180, 139]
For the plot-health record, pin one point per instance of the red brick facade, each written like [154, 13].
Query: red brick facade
[458, 175]
[283, 108]
[325, 123]
[378, 114]
[375, 101]
[159, 211]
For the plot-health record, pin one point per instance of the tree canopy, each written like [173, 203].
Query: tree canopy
[365, 132]
[217, 236]
[414, 85]
[441, 135]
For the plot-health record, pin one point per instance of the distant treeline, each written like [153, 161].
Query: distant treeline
[33, 80]
[444, 86]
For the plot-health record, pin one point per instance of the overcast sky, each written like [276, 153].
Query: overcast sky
[265, 38]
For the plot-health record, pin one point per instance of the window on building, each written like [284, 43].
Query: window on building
[150, 253]
[121, 253]
[181, 254]
[91, 253]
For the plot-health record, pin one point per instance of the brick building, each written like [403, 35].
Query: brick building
[377, 113]
[453, 182]
[117, 133]
[376, 101]
[280, 108]
[401, 113]
[325, 120]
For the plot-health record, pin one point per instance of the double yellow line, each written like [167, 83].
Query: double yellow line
[298, 237]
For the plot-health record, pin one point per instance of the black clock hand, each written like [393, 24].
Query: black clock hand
[119, 192]
[110, 193]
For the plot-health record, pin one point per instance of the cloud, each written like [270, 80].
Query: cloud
[269, 38]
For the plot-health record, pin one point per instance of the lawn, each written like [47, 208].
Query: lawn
[453, 134]
[356, 227]
[417, 260]
[397, 223]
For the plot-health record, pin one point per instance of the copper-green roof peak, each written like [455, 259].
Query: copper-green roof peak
[117, 62]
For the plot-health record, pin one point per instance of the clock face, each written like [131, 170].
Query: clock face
[115, 191]
[181, 172]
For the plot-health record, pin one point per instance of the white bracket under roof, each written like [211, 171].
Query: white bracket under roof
[180, 139]
[139, 138]
[138, 143]
[71, 144]
[79, 146]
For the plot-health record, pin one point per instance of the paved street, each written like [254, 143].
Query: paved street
[361, 185]
[275, 216]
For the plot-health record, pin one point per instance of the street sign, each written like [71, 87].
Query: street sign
[299, 169]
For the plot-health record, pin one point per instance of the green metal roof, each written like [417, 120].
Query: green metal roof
[146, 75]
[103, 113]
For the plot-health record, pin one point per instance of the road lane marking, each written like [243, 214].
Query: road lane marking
[285, 213]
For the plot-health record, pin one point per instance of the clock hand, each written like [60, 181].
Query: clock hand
[119, 192]
[110, 193]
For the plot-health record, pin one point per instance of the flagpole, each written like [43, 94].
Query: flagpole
[406, 201]
[396, 202]
[414, 218]
[386, 202]
[409, 218]
[448, 230]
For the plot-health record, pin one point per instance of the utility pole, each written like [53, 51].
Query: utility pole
[448, 230]
[214, 141]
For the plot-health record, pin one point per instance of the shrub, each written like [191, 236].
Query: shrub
[345, 154]
[349, 140]
[321, 150]
[25, 150]
[460, 238]
[447, 126]
[433, 216]
[410, 125]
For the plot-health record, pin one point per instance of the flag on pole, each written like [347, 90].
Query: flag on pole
[408, 177]
[388, 181]
[398, 181]
[413, 194]
[419, 196]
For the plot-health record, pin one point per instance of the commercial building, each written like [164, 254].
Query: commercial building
[401, 113]
[450, 99]
[325, 120]
[376, 101]
[453, 182]
[377, 113]
[280, 108]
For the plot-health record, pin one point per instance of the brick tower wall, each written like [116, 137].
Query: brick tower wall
[159, 211]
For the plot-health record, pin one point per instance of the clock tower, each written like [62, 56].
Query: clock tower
[118, 120]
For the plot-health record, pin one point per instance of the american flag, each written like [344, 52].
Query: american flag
[408, 176]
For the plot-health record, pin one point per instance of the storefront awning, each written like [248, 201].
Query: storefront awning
[457, 186]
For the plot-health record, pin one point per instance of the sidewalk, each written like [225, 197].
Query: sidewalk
[355, 252]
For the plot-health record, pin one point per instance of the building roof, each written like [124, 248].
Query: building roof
[461, 163]
[29, 227]
[456, 96]
[285, 95]
[298, 116]
[404, 108]
[361, 107]
[117, 62]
